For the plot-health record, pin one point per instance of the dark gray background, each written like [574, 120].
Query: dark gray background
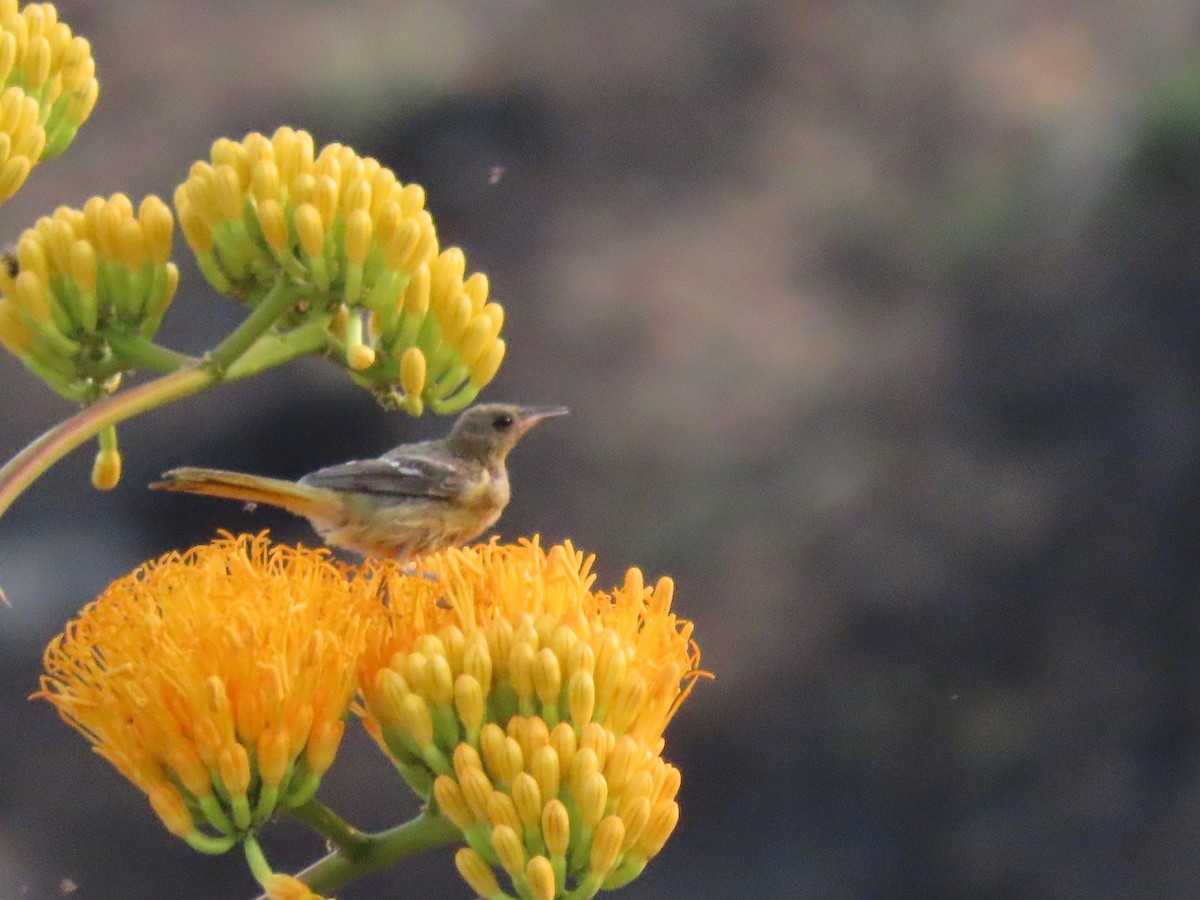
[879, 326]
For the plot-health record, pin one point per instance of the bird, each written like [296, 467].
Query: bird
[415, 499]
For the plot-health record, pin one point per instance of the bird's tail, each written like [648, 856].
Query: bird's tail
[298, 499]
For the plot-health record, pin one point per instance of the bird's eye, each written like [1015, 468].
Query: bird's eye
[502, 422]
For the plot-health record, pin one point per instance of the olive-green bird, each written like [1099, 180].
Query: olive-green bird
[413, 500]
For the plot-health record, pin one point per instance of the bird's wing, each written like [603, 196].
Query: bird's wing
[398, 477]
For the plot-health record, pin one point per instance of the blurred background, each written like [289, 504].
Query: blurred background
[879, 323]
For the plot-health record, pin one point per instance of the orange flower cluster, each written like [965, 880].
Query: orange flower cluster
[216, 680]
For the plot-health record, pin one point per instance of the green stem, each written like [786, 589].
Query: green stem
[319, 817]
[265, 314]
[134, 350]
[256, 860]
[275, 349]
[378, 851]
[209, 844]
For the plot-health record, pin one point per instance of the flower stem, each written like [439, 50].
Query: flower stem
[377, 851]
[140, 353]
[273, 349]
[256, 860]
[265, 313]
[319, 817]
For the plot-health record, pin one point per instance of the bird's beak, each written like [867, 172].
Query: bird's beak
[531, 415]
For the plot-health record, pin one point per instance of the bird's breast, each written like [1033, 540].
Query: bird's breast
[489, 492]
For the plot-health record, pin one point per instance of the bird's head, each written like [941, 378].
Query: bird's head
[487, 432]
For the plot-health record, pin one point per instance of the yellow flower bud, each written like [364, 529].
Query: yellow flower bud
[477, 790]
[509, 849]
[476, 288]
[547, 771]
[402, 243]
[37, 62]
[31, 256]
[450, 800]
[581, 698]
[412, 199]
[233, 765]
[412, 371]
[628, 702]
[488, 365]
[455, 316]
[286, 887]
[606, 845]
[610, 669]
[495, 312]
[8, 54]
[502, 811]
[476, 873]
[83, 266]
[157, 225]
[106, 470]
[416, 295]
[309, 229]
[357, 198]
[591, 793]
[323, 744]
[358, 236]
[540, 875]
[449, 267]
[520, 669]
[527, 799]
[325, 198]
[273, 222]
[477, 339]
[130, 245]
[360, 357]
[463, 758]
[190, 769]
[12, 175]
[13, 333]
[564, 742]
[547, 677]
[440, 680]
[492, 748]
[273, 755]
[225, 152]
[196, 231]
[169, 806]
[469, 701]
[618, 767]
[499, 639]
[29, 291]
[556, 827]
[636, 816]
[384, 187]
[663, 819]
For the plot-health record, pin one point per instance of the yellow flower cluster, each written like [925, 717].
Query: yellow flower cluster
[80, 278]
[532, 709]
[217, 680]
[358, 248]
[49, 88]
